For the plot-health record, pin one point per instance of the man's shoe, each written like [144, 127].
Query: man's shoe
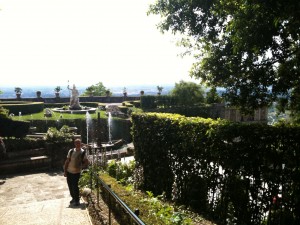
[77, 203]
[72, 201]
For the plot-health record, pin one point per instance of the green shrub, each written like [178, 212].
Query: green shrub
[19, 144]
[123, 172]
[153, 210]
[57, 136]
[23, 107]
[11, 128]
[3, 112]
[196, 158]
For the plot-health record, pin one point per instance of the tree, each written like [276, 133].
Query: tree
[95, 90]
[188, 93]
[251, 48]
[212, 96]
[108, 93]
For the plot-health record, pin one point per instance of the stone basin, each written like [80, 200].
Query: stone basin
[84, 110]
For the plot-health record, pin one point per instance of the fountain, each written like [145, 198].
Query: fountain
[74, 100]
[74, 106]
[109, 128]
[88, 122]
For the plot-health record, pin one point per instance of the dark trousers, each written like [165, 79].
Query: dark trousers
[72, 180]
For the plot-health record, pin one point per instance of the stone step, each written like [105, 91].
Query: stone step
[25, 164]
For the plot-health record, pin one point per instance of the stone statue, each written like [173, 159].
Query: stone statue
[74, 101]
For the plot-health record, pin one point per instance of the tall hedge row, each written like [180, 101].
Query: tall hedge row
[11, 128]
[154, 101]
[169, 104]
[234, 173]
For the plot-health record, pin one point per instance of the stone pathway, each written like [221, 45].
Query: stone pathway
[40, 198]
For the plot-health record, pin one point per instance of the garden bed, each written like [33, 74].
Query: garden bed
[99, 213]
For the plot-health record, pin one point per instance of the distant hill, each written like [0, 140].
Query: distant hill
[48, 92]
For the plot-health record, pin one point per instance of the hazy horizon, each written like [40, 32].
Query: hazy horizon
[48, 91]
[84, 86]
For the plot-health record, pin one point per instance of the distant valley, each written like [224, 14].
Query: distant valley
[48, 92]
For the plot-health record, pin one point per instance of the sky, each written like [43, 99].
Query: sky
[83, 42]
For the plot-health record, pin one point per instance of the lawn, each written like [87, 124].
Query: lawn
[57, 116]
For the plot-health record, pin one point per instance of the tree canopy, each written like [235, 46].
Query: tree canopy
[250, 48]
[95, 90]
[212, 96]
[188, 93]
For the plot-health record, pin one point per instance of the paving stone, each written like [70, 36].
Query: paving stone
[40, 198]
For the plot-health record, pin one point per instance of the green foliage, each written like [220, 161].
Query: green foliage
[221, 169]
[127, 104]
[165, 212]
[201, 111]
[212, 96]
[95, 90]
[58, 136]
[11, 128]
[85, 179]
[153, 210]
[18, 90]
[123, 172]
[148, 102]
[120, 129]
[21, 144]
[159, 90]
[87, 176]
[251, 48]
[57, 89]
[3, 112]
[188, 93]
[294, 105]
[169, 104]
[23, 107]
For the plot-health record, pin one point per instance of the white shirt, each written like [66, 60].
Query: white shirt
[75, 163]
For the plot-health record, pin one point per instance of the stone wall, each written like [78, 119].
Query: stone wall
[260, 115]
[103, 99]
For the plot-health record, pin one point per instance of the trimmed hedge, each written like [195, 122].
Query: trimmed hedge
[169, 104]
[231, 172]
[120, 128]
[23, 107]
[21, 144]
[11, 128]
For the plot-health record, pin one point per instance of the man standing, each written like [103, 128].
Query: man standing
[76, 160]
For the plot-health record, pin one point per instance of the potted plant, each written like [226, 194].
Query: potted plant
[57, 90]
[38, 94]
[159, 90]
[18, 92]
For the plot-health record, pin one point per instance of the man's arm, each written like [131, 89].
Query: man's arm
[66, 166]
[85, 163]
